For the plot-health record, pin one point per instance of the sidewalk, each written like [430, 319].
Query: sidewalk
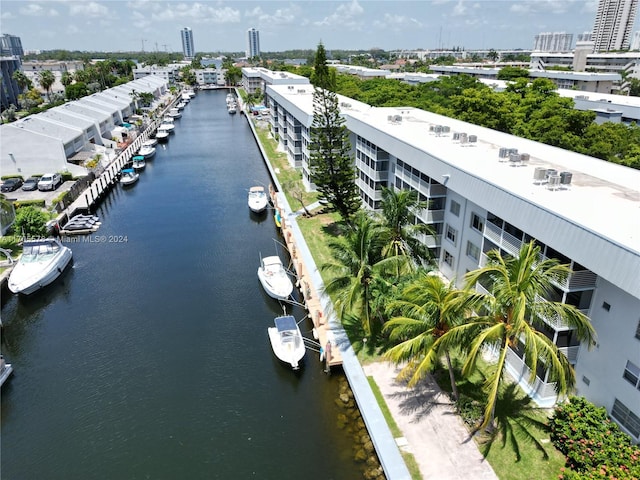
[433, 433]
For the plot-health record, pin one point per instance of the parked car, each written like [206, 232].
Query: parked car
[11, 184]
[30, 184]
[49, 181]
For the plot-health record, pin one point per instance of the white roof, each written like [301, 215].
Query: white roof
[600, 209]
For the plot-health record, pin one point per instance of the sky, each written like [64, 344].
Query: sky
[221, 26]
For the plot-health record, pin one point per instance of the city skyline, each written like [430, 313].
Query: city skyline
[152, 25]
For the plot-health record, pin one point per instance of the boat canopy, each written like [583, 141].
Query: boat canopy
[137, 158]
[286, 323]
[128, 170]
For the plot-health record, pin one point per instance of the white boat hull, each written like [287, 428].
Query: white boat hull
[152, 142]
[287, 343]
[274, 279]
[147, 152]
[4, 374]
[27, 278]
[257, 200]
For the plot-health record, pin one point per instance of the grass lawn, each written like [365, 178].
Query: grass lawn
[520, 416]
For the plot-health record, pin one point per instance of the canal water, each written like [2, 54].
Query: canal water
[149, 358]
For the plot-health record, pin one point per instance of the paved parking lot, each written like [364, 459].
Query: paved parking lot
[37, 195]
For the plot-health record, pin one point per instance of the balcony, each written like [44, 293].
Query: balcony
[542, 392]
[571, 353]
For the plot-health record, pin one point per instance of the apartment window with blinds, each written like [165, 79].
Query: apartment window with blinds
[473, 251]
[626, 417]
[455, 208]
[632, 374]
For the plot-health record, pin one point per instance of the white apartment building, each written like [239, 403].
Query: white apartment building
[253, 43]
[169, 73]
[254, 78]
[489, 190]
[209, 76]
[614, 21]
[553, 42]
[188, 49]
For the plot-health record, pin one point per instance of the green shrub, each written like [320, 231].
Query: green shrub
[469, 410]
[7, 177]
[29, 203]
[66, 176]
[31, 222]
[594, 446]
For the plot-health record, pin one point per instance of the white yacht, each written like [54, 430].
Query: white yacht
[42, 261]
[274, 278]
[257, 199]
[286, 340]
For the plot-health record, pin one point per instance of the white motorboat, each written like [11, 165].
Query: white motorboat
[146, 152]
[257, 199]
[42, 261]
[152, 142]
[185, 98]
[175, 113]
[129, 177]
[5, 370]
[169, 127]
[274, 278]
[138, 163]
[180, 106]
[286, 340]
[232, 108]
[168, 119]
[162, 135]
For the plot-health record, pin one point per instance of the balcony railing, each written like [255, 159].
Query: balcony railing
[571, 353]
[539, 388]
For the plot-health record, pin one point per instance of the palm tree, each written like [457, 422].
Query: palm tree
[24, 83]
[400, 230]
[358, 271]
[508, 316]
[46, 80]
[66, 79]
[430, 307]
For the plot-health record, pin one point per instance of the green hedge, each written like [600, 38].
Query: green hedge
[27, 203]
[7, 177]
[593, 444]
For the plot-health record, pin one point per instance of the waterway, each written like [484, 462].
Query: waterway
[149, 358]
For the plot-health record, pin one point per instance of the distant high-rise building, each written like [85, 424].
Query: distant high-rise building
[584, 37]
[253, 43]
[614, 21]
[635, 41]
[187, 43]
[553, 42]
[11, 45]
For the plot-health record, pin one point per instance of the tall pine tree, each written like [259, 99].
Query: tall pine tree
[332, 168]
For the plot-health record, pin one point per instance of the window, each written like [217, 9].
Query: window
[586, 380]
[626, 417]
[606, 306]
[473, 251]
[451, 234]
[477, 223]
[448, 258]
[632, 374]
[455, 208]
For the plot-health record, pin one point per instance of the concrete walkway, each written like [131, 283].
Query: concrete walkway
[435, 436]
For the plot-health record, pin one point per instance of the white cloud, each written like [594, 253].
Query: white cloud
[35, 10]
[88, 9]
[397, 22]
[282, 16]
[552, 7]
[346, 15]
[196, 12]
[7, 15]
[459, 10]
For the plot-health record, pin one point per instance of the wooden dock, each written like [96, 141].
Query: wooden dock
[109, 177]
[332, 355]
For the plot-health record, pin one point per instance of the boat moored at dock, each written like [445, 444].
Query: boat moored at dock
[274, 278]
[287, 341]
[42, 261]
[257, 199]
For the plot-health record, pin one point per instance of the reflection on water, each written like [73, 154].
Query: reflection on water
[150, 358]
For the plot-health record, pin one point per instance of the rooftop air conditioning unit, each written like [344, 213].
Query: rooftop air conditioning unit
[473, 139]
[539, 175]
[565, 178]
[456, 136]
[524, 157]
[515, 160]
[464, 138]
[398, 118]
[553, 182]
